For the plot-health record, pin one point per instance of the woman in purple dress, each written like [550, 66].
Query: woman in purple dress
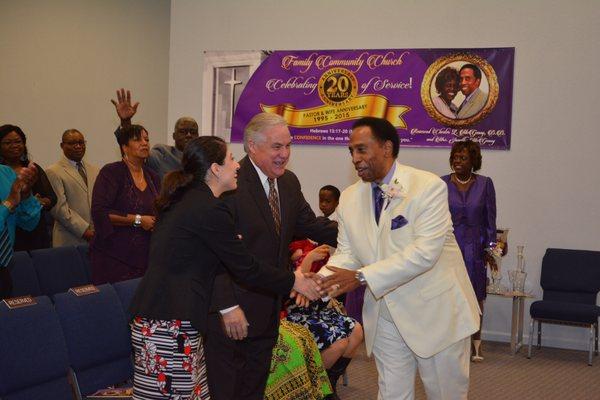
[472, 202]
[123, 211]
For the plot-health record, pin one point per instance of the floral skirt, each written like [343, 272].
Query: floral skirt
[169, 361]
[297, 371]
[326, 324]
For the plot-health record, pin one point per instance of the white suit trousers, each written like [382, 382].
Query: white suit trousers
[445, 375]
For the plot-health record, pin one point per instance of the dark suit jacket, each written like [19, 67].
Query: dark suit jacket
[193, 241]
[254, 221]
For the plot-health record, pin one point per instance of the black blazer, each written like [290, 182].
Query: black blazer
[194, 240]
[254, 221]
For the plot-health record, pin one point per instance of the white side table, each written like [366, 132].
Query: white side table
[516, 325]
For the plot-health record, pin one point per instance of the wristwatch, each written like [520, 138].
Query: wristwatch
[360, 277]
[137, 222]
[9, 205]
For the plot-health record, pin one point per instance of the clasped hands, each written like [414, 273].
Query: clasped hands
[21, 187]
[341, 281]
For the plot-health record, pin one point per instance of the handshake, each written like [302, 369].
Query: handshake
[311, 286]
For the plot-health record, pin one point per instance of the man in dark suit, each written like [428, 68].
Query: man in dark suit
[270, 211]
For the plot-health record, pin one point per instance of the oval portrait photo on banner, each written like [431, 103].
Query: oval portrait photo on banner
[459, 90]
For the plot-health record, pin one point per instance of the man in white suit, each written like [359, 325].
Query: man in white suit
[72, 179]
[395, 236]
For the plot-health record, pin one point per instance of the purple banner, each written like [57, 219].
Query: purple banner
[433, 97]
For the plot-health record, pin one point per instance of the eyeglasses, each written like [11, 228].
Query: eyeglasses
[76, 142]
[193, 132]
[11, 142]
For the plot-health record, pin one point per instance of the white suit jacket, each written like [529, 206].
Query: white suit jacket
[72, 210]
[416, 269]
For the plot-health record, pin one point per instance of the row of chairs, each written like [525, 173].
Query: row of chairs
[49, 271]
[66, 346]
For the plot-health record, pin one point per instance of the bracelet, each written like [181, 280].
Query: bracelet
[360, 277]
[137, 222]
[9, 206]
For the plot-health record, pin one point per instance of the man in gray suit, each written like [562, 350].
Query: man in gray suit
[72, 179]
[475, 98]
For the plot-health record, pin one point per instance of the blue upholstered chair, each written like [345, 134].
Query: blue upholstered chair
[125, 290]
[59, 269]
[571, 281]
[24, 278]
[98, 339]
[84, 252]
[33, 355]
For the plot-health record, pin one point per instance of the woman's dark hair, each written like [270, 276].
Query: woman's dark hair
[335, 191]
[446, 75]
[124, 135]
[5, 130]
[472, 148]
[199, 154]
[382, 130]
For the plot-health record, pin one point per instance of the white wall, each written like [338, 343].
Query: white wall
[547, 185]
[62, 60]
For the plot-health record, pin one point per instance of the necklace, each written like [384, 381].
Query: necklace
[139, 179]
[461, 181]
[137, 173]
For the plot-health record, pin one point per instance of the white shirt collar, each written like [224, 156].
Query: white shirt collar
[74, 163]
[264, 179]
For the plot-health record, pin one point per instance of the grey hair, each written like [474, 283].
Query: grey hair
[185, 119]
[258, 125]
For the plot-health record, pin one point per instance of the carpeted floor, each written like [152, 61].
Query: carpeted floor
[550, 374]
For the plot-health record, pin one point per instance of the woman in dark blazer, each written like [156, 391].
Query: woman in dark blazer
[194, 239]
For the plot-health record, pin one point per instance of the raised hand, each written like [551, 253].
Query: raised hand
[235, 324]
[306, 285]
[125, 110]
[341, 281]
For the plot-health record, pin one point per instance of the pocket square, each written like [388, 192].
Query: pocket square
[398, 222]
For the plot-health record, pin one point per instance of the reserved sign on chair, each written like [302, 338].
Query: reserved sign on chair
[84, 290]
[18, 302]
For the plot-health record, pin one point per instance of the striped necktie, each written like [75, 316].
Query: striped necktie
[274, 204]
[377, 202]
[82, 172]
[6, 247]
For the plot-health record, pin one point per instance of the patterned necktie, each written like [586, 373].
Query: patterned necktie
[274, 204]
[6, 247]
[82, 172]
[378, 202]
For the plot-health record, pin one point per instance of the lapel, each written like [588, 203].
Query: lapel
[73, 173]
[368, 218]
[389, 204]
[285, 199]
[466, 107]
[257, 192]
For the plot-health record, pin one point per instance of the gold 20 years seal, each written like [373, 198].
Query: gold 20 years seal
[337, 86]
